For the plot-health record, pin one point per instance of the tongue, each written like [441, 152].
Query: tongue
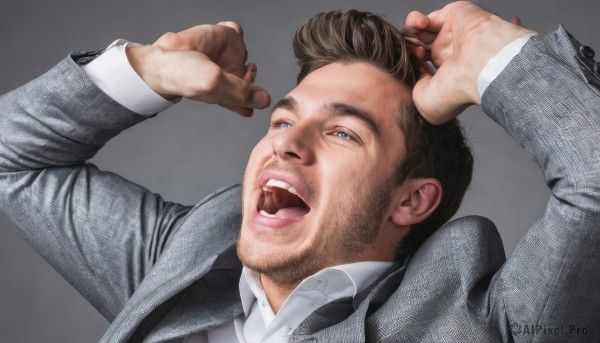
[282, 204]
[286, 212]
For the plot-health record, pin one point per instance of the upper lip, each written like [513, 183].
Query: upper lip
[300, 188]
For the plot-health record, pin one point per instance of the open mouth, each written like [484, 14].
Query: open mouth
[280, 200]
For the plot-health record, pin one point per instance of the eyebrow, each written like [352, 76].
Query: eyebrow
[337, 108]
[288, 103]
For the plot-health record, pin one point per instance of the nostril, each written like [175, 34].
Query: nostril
[292, 145]
[292, 154]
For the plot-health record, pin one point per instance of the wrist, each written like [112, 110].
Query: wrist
[484, 49]
[148, 62]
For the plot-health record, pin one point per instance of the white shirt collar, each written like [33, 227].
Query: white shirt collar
[323, 287]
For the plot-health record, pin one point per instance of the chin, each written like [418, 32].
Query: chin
[275, 256]
[257, 242]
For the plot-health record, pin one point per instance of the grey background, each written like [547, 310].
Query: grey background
[193, 148]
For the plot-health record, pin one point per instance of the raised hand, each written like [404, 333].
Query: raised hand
[205, 63]
[463, 38]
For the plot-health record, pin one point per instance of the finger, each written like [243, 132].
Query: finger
[424, 39]
[243, 111]
[516, 21]
[422, 54]
[235, 26]
[249, 76]
[427, 37]
[415, 22]
[204, 80]
[437, 19]
[424, 69]
[238, 92]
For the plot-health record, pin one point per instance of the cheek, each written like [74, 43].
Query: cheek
[345, 183]
[342, 178]
[349, 167]
[262, 150]
[253, 166]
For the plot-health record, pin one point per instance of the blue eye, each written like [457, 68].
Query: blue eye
[343, 135]
[280, 124]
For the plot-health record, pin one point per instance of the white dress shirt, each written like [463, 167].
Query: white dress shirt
[259, 323]
[113, 74]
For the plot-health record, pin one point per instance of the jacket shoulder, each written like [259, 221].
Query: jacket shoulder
[467, 250]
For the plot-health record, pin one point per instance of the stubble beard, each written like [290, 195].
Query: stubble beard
[353, 225]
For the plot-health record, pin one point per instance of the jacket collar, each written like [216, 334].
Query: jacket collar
[344, 320]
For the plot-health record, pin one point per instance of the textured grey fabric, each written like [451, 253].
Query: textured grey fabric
[160, 271]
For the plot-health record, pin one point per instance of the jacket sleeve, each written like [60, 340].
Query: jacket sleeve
[548, 100]
[100, 231]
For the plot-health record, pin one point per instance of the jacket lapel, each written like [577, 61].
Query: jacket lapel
[210, 302]
[200, 254]
[344, 320]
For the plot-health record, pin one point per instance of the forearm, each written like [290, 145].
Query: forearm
[63, 118]
[58, 119]
[552, 110]
[100, 231]
[547, 99]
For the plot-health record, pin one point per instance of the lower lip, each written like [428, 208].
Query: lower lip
[274, 223]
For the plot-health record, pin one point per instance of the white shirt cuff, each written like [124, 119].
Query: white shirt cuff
[497, 63]
[115, 76]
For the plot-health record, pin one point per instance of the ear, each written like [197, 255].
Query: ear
[415, 200]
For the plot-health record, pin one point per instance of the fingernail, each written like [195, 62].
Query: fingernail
[260, 99]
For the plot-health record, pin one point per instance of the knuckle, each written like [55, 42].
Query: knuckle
[169, 39]
[208, 85]
[174, 41]
[232, 24]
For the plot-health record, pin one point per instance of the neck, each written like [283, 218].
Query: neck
[277, 292]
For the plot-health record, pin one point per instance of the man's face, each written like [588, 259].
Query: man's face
[317, 187]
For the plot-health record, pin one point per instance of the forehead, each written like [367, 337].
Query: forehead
[357, 84]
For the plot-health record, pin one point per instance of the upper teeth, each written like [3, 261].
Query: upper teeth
[280, 184]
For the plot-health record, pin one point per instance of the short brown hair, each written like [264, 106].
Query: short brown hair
[433, 151]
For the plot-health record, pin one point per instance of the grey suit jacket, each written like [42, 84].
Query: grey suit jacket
[159, 271]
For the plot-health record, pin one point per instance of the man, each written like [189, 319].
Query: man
[163, 272]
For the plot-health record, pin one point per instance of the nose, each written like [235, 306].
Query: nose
[294, 144]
